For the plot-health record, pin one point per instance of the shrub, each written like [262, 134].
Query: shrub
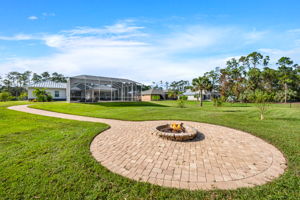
[217, 102]
[280, 95]
[23, 96]
[181, 103]
[183, 97]
[42, 95]
[244, 96]
[155, 97]
[5, 96]
[49, 97]
[261, 99]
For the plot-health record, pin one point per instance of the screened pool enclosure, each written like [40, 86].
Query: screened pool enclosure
[86, 88]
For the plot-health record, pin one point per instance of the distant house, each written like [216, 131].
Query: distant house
[57, 90]
[206, 95]
[155, 94]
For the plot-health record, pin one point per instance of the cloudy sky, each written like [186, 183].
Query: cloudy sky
[143, 40]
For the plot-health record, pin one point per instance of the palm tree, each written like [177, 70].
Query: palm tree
[201, 84]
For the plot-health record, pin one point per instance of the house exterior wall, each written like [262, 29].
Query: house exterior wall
[204, 97]
[62, 93]
[191, 98]
[146, 98]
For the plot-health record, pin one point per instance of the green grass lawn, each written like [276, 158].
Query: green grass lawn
[49, 158]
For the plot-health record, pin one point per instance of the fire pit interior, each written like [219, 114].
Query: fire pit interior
[176, 131]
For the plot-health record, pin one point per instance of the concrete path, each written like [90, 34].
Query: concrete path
[219, 157]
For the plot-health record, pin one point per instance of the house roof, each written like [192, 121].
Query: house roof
[102, 78]
[48, 84]
[154, 91]
[190, 93]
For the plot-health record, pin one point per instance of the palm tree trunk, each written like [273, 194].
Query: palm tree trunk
[285, 92]
[201, 104]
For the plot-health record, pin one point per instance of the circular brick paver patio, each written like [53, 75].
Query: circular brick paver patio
[219, 157]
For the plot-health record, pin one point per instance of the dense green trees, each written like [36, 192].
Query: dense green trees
[14, 83]
[242, 77]
[287, 76]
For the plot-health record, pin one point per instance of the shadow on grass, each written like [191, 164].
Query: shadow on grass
[285, 119]
[129, 104]
[236, 106]
[232, 111]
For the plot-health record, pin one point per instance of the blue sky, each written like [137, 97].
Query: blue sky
[143, 40]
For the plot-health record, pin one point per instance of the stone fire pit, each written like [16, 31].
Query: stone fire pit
[176, 132]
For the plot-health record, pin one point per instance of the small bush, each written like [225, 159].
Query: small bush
[183, 97]
[5, 96]
[181, 103]
[23, 96]
[217, 102]
[42, 95]
[155, 97]
[49, 97]
[262, 100]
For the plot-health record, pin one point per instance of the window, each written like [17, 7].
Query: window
[56, 94]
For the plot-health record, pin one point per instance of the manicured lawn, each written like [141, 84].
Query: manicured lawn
[49, 158]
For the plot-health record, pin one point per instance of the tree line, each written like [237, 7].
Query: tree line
[13, 84]
[250, 75]
[239, 81]
[249, 78]
[172, 86]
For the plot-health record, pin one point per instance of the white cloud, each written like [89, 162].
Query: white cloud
[122, 28]
[17, 37]
[141, 64]
[126, 50]
[297, 30]
[66, 43]
[278, 53]
[254, 36]
[47, 14]
[119, 28]
[194, 37]
[85, 30]
[54, 40]
[32, 17]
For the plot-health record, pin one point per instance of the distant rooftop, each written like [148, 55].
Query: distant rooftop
[48, 84]
[154, 92]
[102, 78]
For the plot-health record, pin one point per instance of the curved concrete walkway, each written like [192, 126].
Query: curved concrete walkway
[219, 157]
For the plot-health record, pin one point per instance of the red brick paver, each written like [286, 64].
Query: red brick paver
[219, 157]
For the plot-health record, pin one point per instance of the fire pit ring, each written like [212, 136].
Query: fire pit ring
[167, 132]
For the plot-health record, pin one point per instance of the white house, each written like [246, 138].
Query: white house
[57, 90]
[206, 95]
